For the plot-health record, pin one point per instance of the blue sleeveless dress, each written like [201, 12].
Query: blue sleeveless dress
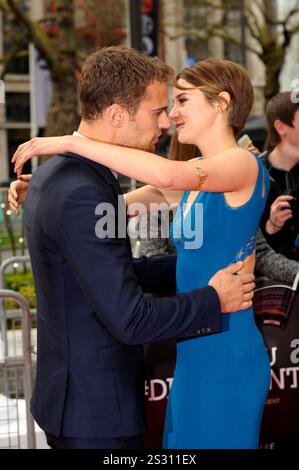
[221, 381]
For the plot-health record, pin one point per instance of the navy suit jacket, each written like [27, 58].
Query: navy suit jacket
[92, 315]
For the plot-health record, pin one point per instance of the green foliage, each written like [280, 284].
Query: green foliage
[5, 241]
[23, 283]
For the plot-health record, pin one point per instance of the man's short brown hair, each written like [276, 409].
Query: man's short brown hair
[120, 75]
[281, 108]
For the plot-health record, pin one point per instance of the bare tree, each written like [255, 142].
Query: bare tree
[62, 51]
[268, 34]
[59, 53]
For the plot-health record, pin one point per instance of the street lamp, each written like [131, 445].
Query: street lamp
[135, 24]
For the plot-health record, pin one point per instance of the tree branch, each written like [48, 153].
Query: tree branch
[255, 30]
[227, 36]
[291, 13]
[35, 33]
[4, 6]
[44, 19]
[294, 29]
[251, 16]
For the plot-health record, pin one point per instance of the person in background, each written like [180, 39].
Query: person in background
[270, 263]
[280, 221]
[273, 265]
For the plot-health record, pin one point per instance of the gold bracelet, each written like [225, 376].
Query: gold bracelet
[202, 176]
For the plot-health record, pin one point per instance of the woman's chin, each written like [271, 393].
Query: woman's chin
[183, 139]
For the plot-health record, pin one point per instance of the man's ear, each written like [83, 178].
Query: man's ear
[225, 101]
[280, 127]
[116, 115]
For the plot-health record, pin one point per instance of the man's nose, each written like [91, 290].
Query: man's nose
[164, 122]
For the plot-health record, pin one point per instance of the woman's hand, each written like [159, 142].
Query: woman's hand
[40, 146]
[17, 192]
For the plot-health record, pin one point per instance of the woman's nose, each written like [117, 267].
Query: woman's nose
[173, 114]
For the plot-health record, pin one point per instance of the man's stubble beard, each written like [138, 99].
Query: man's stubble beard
[135, 145]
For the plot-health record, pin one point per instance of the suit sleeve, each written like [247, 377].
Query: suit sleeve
[156, 274]
[105, 273]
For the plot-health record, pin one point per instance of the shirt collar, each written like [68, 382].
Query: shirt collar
[76, 133]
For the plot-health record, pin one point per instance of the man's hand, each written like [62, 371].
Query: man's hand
[279, 214]
[17, 192]
[235, 291]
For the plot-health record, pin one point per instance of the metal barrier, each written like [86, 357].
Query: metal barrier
[23, 361]
[13, 362]
[10, 261]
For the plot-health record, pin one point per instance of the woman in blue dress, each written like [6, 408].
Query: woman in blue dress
[221, 381]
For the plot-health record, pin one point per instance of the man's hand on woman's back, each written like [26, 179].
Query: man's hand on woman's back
[235, 291]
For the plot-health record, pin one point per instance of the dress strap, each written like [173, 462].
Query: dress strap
[262, 183]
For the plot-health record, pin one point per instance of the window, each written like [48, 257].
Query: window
[197, 42]
[20, 65]
[17, 107]
[234, 22]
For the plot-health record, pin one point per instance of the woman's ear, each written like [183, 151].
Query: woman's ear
[225, 101]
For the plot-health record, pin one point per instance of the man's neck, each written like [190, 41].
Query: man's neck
[96, 132]
[284, 156]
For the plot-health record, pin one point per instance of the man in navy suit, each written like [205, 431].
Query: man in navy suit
[92, 315]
